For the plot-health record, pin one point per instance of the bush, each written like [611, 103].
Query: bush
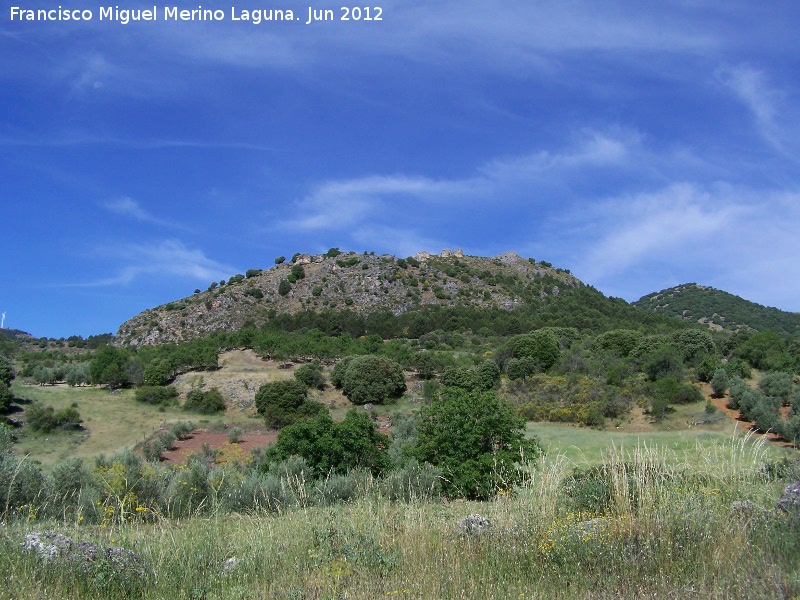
[311, 375]
[46, 419]
[5, 396]
[281, 403]
[720, 383]
[664, 361]
[235, 435]
[284, 287]
[158, 372]
[152, 394]
[477, 442]
[675, 392]
[540, 345]
[330, 447]
[777, 385]
[370, 378]
[182, 429]
[205, 402]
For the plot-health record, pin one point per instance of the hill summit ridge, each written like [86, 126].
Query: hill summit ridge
[363, 283]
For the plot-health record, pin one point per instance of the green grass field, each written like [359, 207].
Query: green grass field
[111, 422]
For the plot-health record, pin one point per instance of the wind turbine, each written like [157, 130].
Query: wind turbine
[3, 322]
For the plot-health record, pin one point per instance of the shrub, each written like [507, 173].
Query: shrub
[298, 272]
[371, 378]
[284, 287]
[720, 383]
[46, 419]
[311, 375]
[182, 429]
[152, 394]
[282, 403]
[664, 361]
[235, 435]
[205, 402]
[330, 447]
[255, 272]
[5, 396]
[778, 385]
[477, 442]
[6, 371]
[541, 345]
[674, 391]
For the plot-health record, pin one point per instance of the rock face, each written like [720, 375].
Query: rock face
[362, 283]
[123, 563]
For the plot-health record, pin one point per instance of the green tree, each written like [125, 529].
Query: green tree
[206, 403]
[329, 447]
[619, 341]
[778, 385]
[6, 371]
[281, 403]
[298, 271]
[5, 396]
[371, 378]
[665, 361]
[284, 287]
[477, 441]
[488, 375]
[110, 367]
[280, 260]
[310, 374]
[720, 382]
[541, 345]
[693, 344]
[158, 372]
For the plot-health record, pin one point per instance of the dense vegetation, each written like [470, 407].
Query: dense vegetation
[698, 303]
[461, 380]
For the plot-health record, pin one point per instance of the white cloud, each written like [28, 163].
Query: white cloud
[341, 205]
[128, 207]
[753, 89]
[167, 259]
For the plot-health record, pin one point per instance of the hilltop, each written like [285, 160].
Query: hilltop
[362, 283]
[718, 309]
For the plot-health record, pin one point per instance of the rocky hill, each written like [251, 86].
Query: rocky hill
[718, 309]
[360, 282]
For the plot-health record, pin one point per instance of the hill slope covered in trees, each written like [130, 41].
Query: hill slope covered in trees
[718, 309]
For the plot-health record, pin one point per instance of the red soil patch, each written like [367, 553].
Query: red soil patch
[194, 443]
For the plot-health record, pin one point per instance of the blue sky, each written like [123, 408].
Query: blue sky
[638, 144]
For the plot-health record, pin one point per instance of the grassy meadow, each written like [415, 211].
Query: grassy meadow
[639, 510]
[667, 530]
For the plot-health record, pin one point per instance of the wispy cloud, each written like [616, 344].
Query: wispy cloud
[341, 205]
[166, 259]
[752, 87]
[128, 207]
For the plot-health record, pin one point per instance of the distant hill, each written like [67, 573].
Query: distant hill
[363, 283]
[718, 309]
[15, 334]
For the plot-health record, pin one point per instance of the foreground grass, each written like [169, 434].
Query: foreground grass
[667, 529]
